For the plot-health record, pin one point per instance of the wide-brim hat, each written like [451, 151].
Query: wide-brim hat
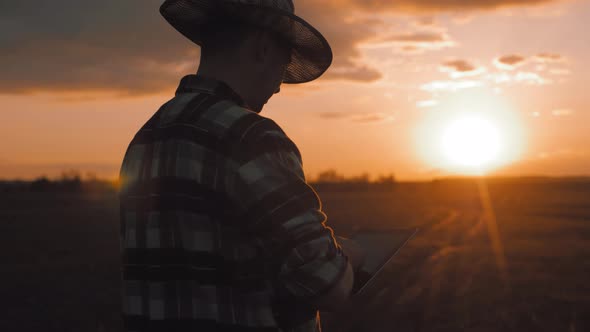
[311, 54]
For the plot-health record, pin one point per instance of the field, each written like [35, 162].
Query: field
[499, 255]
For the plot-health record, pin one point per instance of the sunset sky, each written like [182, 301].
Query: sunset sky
[79, 78]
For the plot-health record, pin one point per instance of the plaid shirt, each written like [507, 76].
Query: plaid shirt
[219, 229]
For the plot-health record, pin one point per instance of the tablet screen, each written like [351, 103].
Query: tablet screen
[380, 246]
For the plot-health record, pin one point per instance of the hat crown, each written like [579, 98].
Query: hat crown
[286, 5]
[311, 54]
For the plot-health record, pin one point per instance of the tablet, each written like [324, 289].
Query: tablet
[380, 246]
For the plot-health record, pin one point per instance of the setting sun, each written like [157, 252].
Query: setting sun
[471, 134]
[471, 142]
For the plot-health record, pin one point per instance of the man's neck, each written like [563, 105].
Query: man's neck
[230, 78]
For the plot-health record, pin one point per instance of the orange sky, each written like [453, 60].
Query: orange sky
[75, 86]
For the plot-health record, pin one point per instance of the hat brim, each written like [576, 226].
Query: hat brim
[311, 54]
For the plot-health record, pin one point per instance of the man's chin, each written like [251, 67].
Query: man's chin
[257, 109]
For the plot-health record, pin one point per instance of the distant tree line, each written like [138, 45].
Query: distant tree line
[70, 181]
[331, 180]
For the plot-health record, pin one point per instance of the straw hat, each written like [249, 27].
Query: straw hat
[311, 54]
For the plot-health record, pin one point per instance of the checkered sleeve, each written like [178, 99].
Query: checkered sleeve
[285, 213]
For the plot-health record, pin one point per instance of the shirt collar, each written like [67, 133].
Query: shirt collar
[198, 83]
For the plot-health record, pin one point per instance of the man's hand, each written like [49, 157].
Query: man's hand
[339, 297]
[353, 250]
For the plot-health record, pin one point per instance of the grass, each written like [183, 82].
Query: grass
[60, 268]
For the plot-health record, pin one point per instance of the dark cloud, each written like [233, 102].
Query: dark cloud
[111, 45]
[426, 21]
[354, 72]
[127, 47]
[419, 37]
[410, 49]
[438, 5]
[510, 61]
[514, 60]
[458, 68]
[461, 66]
[357, 117]
[344, 34]
[333, 115]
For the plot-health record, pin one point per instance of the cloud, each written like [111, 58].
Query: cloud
[372, 118]
[333, 115]
[548, 57]
[416, 41]
[354, 72]
[531, 78]
[450, 85]
[433, 38]
[119, 46]
[462, 18]
[126, 47]
[562, 112]
[429, 6]
[459, 65]
[345, 35]
[419, 37]
[426, 21]
[560, 72]
[510, 61]
[358, 117]
[460, 68]
[519, 77]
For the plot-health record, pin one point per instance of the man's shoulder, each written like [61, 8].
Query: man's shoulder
[225, 121]
[210, 110]
[202, 110]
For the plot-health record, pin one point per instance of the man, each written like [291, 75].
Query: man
[219, 229]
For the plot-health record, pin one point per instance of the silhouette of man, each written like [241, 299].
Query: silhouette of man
[219, 229]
